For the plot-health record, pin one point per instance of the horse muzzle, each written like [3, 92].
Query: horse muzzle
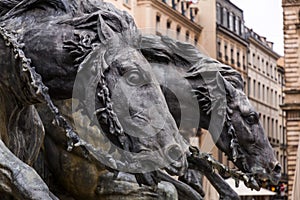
[177, 159]
[275, 173]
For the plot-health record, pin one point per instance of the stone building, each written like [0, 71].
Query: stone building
[231, 44]
[291, 19]
[265, 84]
[231, 41]
[185, 20]
[253, 56]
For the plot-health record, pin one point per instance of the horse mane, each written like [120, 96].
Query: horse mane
[219, 80]
[107, 22]
[169, 50]
[15, 7]
[18, 6]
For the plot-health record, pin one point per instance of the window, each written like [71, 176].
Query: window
[267, 95]
[193, 13]
[276, 99]
[279, 99]
[219, 13]
[262, 64]
[264, 122]
[240, 27]
[168, 26]
[174, 4]
[228, 19]
[271, 71]
[268, 126]
[271, 98]
[231, 19]
[263, 92]
[157, 22]
[178, 29]
[238, 58]
[232, 55]
[276, 131]
[196, 40]
[225, 52]
[254, 88]
[258, 90]
[280, 133]
[272, 129]
[187, 36]
[182, 8]
[249, 85]
[219, 48]
[237, 25]
[253, 60]
[233, 23]
[224, 17]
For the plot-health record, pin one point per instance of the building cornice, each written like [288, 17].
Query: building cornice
[168, 10]
[264, 48]
[286, 3]
[290, 106]
[232, 35]
[292, 91]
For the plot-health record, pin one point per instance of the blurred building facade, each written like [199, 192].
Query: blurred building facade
[253, 56]
[185, 20]
[231, 43]
[291, 29]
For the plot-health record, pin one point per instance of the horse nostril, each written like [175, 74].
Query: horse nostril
[174, 152]
[277, 168]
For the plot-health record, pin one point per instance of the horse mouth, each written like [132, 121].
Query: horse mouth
[261, 176]
[275, 178]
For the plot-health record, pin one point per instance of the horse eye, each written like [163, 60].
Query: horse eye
[134, 77]
[251, 119]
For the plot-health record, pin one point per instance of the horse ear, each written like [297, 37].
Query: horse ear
[230, 90]
[104, 31]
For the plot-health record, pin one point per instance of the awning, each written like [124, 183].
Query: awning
[242, 190]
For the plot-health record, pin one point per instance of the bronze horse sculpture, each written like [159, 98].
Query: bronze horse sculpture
[214, 84]
[28, 29]
[235, 128]
[78, 46]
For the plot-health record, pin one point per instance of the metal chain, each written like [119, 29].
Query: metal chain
[38, 89]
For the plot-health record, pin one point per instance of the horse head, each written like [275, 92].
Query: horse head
[243, 138]
[67, 43]
[224, 108]
[240, 134]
